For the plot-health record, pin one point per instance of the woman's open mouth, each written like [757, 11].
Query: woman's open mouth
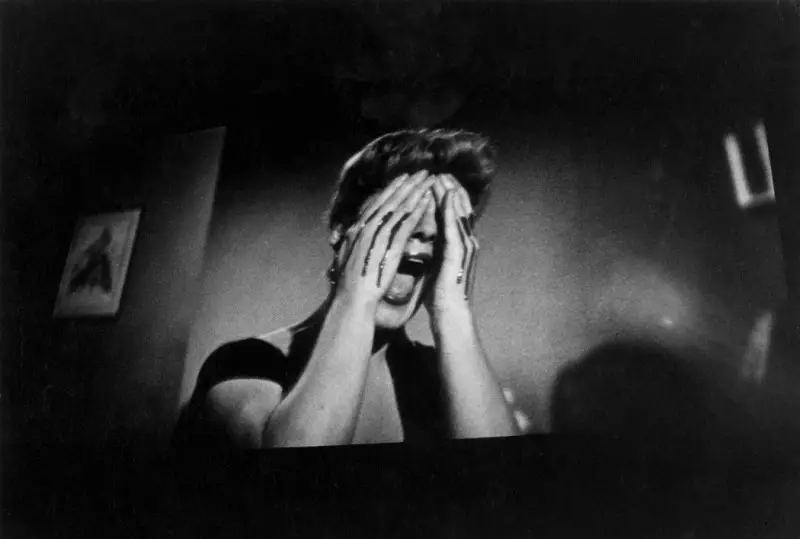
[410, 271]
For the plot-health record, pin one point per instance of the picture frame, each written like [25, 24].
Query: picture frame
[94, 274]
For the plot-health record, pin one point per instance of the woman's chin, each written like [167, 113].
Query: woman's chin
[391, 315]
[395, 311]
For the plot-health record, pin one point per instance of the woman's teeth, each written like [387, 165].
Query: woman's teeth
[413, 265]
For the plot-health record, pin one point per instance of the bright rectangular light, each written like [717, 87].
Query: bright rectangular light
[745, 197]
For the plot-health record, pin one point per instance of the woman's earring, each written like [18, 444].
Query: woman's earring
[332, 272]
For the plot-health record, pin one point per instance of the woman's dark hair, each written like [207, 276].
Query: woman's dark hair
[467, 156]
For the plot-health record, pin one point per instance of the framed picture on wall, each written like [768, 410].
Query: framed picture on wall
[97, 264]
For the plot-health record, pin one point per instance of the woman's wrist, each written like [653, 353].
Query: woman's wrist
[348, 306]
[454, 320]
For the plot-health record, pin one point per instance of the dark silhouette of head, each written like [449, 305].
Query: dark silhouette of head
[630, 388]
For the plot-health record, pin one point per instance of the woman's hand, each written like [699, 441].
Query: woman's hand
[456, 273]
[374, 245]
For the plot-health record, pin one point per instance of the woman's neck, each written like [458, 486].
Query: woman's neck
[381, 337]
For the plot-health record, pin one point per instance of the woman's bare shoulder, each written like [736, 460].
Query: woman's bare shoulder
[285, 338]
[280, 338]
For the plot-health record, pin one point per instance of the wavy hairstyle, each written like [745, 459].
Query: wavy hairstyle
[468, 156]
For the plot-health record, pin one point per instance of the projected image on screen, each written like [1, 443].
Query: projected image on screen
[361, 286]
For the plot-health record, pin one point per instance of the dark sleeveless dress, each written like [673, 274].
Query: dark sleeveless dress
[416, 382]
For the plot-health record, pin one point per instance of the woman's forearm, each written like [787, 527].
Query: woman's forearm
[476, 405]
[323, 407]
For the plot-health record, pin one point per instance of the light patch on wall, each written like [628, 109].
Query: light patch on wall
[638, 294]
[746, 196]
[754, 363]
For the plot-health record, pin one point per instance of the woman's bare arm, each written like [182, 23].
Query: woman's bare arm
[323, 407]
[476, 404]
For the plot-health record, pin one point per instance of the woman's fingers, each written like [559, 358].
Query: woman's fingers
[439, 190]
[408, 194]
[413, 205]
[471, 275]
[452, 233]
[458, 216]
[467, 218]
[464, 204]
[363, 234]
[398, 236]
[403, 201]
[463, 237]
[452, 183]
[377, 219]
[390, 189]
[385, 218]
[395, 220]
[393, 195]
[379, 203]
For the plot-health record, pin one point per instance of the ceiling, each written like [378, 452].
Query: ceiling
[106, 68]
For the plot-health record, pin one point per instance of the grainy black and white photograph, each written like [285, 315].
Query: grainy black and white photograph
[405, 268]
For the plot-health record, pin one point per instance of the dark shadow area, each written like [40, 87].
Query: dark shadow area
[640, 388]
[726, 447]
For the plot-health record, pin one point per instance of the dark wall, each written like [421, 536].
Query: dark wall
[80, 393]
[92, 383]
[97, 382]
[77, 391]
[88, 402]
[786, 114]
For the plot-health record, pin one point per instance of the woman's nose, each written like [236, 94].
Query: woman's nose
[426, 228]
